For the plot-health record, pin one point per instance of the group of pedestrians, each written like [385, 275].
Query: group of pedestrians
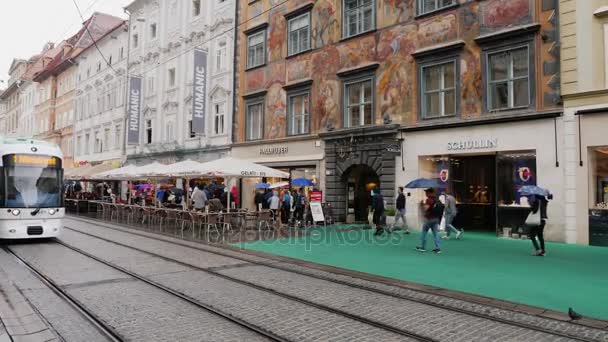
[434, 210]
[286, 205]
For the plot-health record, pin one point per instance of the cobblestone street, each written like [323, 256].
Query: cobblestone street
[140, 286]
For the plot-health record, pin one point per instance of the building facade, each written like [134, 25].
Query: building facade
[100, 100]
[19, 99]
[584, 32]
[396, 90]
[163, 38]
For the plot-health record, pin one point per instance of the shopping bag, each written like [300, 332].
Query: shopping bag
[533, 219]
[442, 224]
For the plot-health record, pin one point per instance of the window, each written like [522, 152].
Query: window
[299, 34]
[150, 90]
[220, 56]
[122, 52]
[172, 77]
[135, 40]
[153, 31]
[359, 17]
[218, 118]
[118, 137]
[196, 7]
[98, 143]
[170, 135]
[508, 79]
[359, 103]
[255, 120]
[438, 90]
[256, 49]
[98, 66]
[298, 113]
[110, 60]
[106, 139]
[190, 132]
[427, 6]
[79, 145]
[148, 131]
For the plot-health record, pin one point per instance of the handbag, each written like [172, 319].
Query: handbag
[533, 219]
[442, 224]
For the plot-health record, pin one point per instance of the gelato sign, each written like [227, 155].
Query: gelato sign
[477, 144]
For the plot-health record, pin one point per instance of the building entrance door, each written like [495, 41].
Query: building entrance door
[359, 180]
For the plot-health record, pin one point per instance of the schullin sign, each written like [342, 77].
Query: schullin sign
[200, 91]
[134, 109]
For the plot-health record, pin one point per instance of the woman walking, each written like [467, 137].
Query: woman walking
[536, 223]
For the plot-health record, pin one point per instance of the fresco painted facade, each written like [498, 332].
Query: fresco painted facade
[399, 33]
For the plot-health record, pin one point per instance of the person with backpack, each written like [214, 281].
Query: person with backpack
[378, 208]
[433, 211]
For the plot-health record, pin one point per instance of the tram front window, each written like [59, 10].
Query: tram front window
[32, 187]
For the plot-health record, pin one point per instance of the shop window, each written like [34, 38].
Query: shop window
[255, 120]
[298, 117]
[599, 178]
[508, 75]
[359, 102]
[299, 34]
[359, 17]
[438, 96]
[256, 49]
[428, 6]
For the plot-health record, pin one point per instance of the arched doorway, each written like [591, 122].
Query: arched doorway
[359, 180]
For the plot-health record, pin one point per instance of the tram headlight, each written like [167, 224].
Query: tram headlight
[52, 211]
[16, 212]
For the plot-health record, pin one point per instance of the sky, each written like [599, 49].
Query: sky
[26, 25]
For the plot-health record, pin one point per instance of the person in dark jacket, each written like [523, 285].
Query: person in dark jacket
[267, 197]
[378, 208]
[400, 210]
[539, 207]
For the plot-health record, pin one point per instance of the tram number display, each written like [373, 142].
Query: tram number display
[32, 160]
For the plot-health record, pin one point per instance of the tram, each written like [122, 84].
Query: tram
[31, 181]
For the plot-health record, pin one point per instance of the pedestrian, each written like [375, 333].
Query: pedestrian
[433, 210]
[267, 196]
[536, 222]
[378, 208]
[199, 198]
[258, 199]
[300, 206]
[448, 214]
[400, 210]
[273, 204]
[285, 206]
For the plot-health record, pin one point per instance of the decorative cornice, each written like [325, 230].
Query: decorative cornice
[298, 84]
[508, 33]
[254, 94]
[300, 10]
[358, 69]
[440, 48]
[259, 27]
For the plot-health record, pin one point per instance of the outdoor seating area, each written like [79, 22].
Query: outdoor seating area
[139, 191]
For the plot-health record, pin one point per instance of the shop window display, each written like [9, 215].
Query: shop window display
[598, 196]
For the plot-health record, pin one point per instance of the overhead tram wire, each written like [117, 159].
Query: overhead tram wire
[86, 27]
[70, 27]
[145, 71]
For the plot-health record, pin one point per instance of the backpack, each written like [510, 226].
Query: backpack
[437, 209]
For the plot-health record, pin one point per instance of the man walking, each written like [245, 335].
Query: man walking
[378, 207]
[400, 211]
[449, 213]
[433, 210]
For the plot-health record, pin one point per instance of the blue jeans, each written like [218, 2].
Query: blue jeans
[433, 226]
[448, 225]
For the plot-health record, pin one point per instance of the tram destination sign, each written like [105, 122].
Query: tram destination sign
[477, 144]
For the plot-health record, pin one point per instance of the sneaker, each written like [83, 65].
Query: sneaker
[437, 251]
[539, 253]
[445, 237]
[459, 234]
[407, 231]
[420, 249]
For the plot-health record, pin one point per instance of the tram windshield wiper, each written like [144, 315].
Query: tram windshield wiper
[35, 212]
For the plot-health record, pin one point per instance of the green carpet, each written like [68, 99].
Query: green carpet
[569, 276]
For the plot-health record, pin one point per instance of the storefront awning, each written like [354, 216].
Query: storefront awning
[88, 171]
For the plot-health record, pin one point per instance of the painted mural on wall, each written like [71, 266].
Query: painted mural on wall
[398, 35]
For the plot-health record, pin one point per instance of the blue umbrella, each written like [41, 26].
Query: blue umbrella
[534, 190]
[423, 183]
[262, 186]
[301, 182]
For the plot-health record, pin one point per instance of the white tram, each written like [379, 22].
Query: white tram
[31, 182]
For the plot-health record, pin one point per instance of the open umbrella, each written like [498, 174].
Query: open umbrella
[278, 185]
[423, 183]
[534, 190]
[301, 182]
[262, 186]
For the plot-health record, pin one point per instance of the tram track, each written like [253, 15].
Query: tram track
[109, 330]
[342, 313]
[336, 281]
[98, 323]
